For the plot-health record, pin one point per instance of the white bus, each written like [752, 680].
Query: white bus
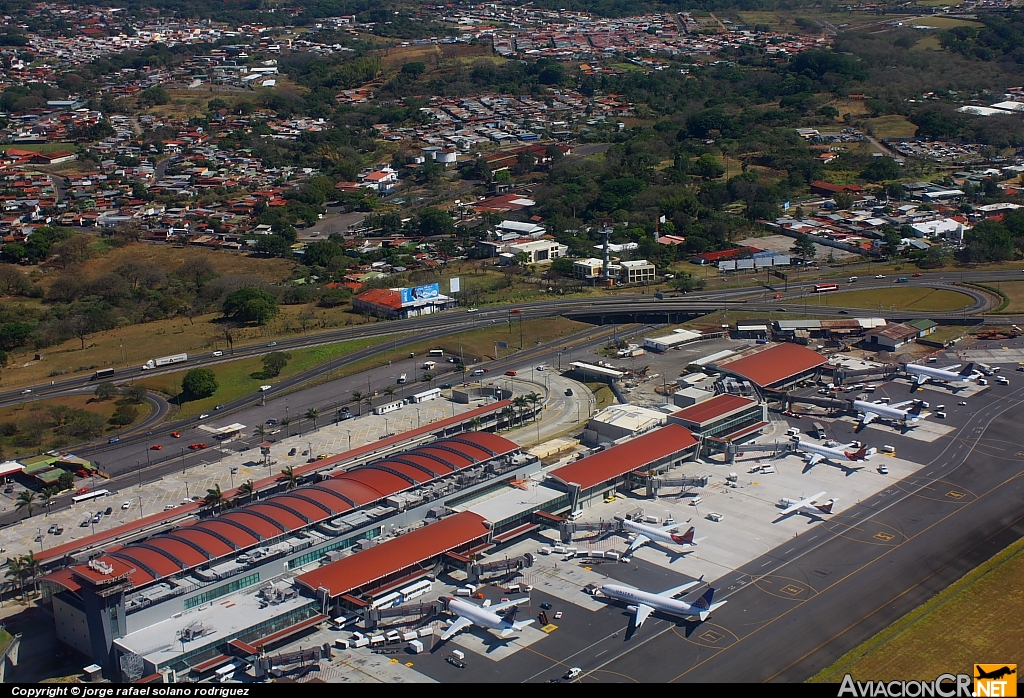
[413, 590]
[431, 394]
[435, 352]
[95, 494]
[387, 601]
[388, 407]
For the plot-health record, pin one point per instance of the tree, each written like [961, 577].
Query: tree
[533, 398]
[562, 266]
[687, 282]
[390, 390]
[124, 415]
[105, 390]
[26, 500]
[16, 572]
[199, 383]
[274, 363]
[519, 402]
[881, 169]
[289, 477]
[251, 305]
[843, 200]
[707, 167]
[414, 69]
[154, 95]
[31, 567]
[357, 397]
[312, 413]
[804, 247]
[509, 414]
[248, 488]
[135, 393]
[434, 221]
[66, 481]
[475, 423]
[987, 241]
[214, 497]
[48, 494]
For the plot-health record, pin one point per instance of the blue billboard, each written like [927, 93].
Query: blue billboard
[419, 293]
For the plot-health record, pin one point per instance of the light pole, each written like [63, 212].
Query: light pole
[187, 495]
[559, 355]
[288, 422]
[140, 507]
[182, 460]
[138, 468]
[349, 439]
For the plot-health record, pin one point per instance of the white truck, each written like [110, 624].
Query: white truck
[165, 361]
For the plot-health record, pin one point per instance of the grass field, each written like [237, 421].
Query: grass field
[42, 147]
[892, 126]
[27, 414]
[941, 22]
[899, 298]
[603, 395]
[1014, 290]
[929, 43]
[235, 378]
[970, 621]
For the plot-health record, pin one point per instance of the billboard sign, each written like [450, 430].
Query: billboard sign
[454, 284]
[419, 293]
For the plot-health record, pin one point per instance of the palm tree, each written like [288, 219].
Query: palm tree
[288, 476]
[390, 390]
[214, 497]
[26, 500]
[261, 430]
[30, 567]
[247, 488]
[519, 402]
[475, 423]
[16, 571]
[48, 494]
[368, 400]
[533, 398]
[357, 397]
[508, 413]
[313, 413]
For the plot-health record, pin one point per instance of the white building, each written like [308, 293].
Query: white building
[619, 421]
[538, 251]
[637, 272]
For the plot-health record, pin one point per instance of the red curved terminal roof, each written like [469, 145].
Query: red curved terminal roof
[162, 556]
[774, 364]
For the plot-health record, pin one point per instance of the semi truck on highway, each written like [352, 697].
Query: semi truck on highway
[165, 361]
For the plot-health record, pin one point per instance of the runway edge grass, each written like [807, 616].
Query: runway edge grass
[963, 624]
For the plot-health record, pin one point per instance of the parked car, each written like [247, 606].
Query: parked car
[108, 511]
[568, 391]
[126, 506]
[291, 452]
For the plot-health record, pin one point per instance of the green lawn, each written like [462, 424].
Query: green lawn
[41, 147]
[941, 22]
[235, 378]
[975, 619]
[898, 298]
[892, 126]
[605, 396]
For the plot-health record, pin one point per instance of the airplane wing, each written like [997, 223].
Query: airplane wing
[642, 611]
[919, 379]
[676, 591]
[504, 605]
[867, 418]
[901, 405]
[459, 625]
[640, 540]
[801, 504]
[814, 460]
[953, 368]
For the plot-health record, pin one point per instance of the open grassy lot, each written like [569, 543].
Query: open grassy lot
[603, 394]
[892, 126]
[169, 257]
[41, 147]
[929, 43]
[899, 298]
[34, 423]
[941, 22]
[973, 620]
[244, 377]
[1014, 290]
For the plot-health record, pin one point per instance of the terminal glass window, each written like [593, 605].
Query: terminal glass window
[343, 544]
[211, 594]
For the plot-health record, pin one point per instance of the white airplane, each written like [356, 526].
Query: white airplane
[949, 374]
[486, 616]
[645, 534]
[837, 456]
[643, 603]
[870, 411]
[806, 506]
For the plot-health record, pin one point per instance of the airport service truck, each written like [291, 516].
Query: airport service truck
[165, 361]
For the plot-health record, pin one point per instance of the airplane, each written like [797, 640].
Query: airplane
[870, 411]
[922, 374]
[486, 616]
[837, 456]
[645, 534]
[643, 603]
[808, 506]
[996, 674]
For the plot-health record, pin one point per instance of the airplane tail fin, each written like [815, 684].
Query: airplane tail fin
[967, 370]
[704, 602]
[826, 508]
[858, 455]
[685, 539]
[510, 614]
[915, 410]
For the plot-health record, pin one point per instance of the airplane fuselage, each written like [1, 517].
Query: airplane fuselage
[834, 454]
[937, 374]
[655, 534]
[663, 604]
[479, 615]
[885, 412]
